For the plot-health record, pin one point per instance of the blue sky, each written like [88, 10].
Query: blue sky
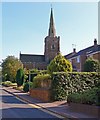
[25, 25]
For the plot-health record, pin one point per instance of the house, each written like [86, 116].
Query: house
[78, 58]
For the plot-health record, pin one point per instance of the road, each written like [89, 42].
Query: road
[13, 107]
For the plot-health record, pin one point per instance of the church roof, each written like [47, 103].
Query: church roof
[32, 58]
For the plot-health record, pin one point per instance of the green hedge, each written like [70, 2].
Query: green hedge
[41, 80]
[91, 96]
[64, 84]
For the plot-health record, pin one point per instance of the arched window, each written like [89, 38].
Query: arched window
[53, 46]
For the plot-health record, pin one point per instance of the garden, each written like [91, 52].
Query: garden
[59, 82]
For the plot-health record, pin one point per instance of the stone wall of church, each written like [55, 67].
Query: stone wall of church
[52, 47]
[39, 66]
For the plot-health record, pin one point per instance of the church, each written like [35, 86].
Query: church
[51, 49]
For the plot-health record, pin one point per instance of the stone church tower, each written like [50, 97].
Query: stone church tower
[52, 47]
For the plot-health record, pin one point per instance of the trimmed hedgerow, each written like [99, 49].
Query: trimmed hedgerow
[87, 97]
[64, 84]
[41, 81]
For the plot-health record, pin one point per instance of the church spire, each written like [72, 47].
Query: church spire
[52, 31]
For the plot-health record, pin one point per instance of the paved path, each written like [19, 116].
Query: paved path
[58, 107]
[13, 107]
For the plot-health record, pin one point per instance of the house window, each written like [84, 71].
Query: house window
[78, 59]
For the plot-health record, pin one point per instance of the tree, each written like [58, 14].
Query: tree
[92, 65]
[10, 65]
[59, 64]
[20, 77]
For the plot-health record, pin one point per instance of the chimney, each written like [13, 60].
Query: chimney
[74, 50]
[95, 41]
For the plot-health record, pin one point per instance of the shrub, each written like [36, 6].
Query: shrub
[20, 77]
[59, 64]
[42, 80]
[27, 86]
[31, 85]
[7, 83]
[86, 97]
[64, 84]
[92, 65]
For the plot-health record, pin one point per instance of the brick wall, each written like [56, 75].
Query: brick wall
[41, 94]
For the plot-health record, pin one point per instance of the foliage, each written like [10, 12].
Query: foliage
[7, 83]
[10, 65]
[86, 97]
[34, 71]
[92, 65]
[26, 87]
[42, 80]
[31, 85]
[18, 88]
[64, 84]
[43, 72]
[20, 77]
[59, 64]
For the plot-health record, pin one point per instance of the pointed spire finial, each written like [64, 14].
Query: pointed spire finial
[52, 31]
[51, 5]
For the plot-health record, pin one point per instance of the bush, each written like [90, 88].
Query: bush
[59, 64]
[31, 85]
[42, 80]
[64, 84]
[86, 97]
[92, 65]
[27, 86]
[7, 83]
[20, 77]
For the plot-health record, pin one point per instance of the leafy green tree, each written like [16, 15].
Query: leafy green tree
[59, 64]
[92, 65]
[10, 65]
[20, 77]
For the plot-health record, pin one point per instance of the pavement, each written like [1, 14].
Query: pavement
[58, 107]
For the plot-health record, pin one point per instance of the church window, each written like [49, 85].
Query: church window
[53, 46]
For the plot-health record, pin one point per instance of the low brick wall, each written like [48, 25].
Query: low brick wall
[86, 109]
[41, 94]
